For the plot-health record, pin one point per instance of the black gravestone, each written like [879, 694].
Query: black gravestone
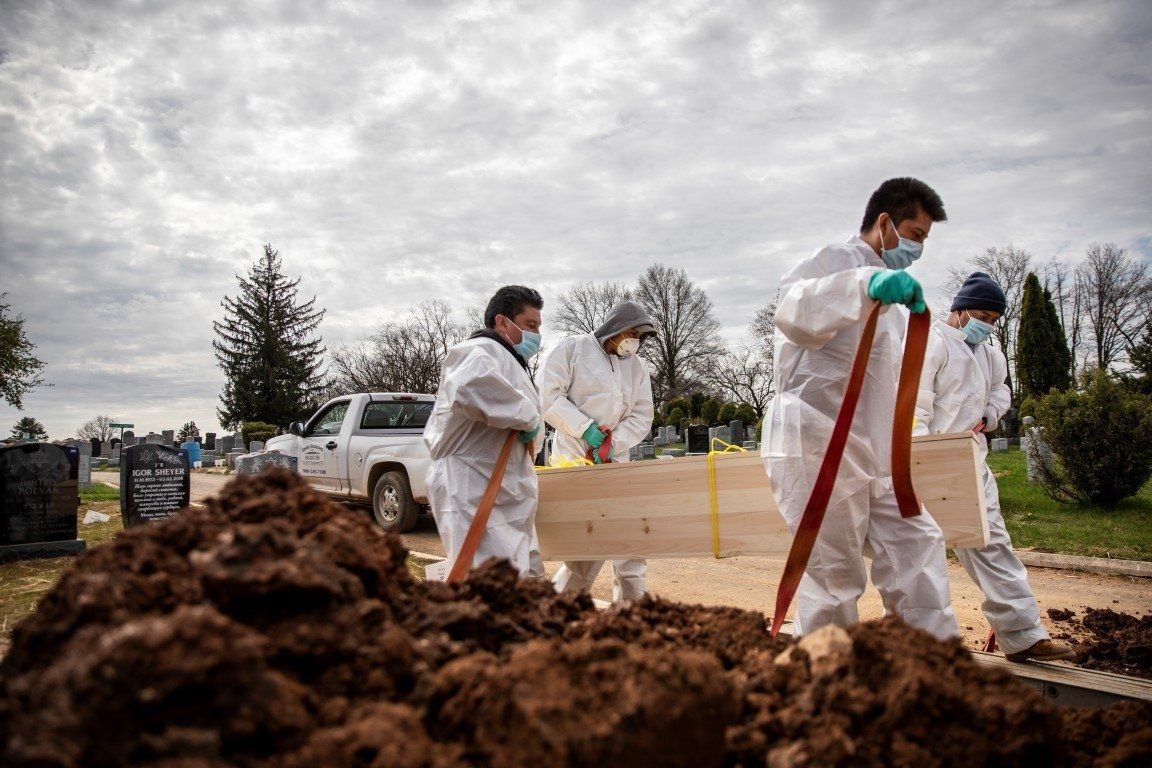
[697, 438]
[38, 501]
[154, 483]
[210, 441]
[95, 446]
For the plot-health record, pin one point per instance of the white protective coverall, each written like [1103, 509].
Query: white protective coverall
[485, 392]
[823, 303]
[581, 384]
[959, 385]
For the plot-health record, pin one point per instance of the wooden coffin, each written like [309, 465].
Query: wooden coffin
[946, 472]
[657, 509]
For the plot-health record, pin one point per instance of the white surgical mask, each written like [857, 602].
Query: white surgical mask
[628, 347]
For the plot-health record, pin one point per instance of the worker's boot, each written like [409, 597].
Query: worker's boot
[1044, 650]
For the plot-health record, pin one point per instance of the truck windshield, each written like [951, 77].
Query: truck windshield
[396, 415]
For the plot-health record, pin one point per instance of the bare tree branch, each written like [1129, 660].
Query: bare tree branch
[400, 357]
[99, 428]
[1116, 292]
[745, 374]
[686, 344]
[584, 307]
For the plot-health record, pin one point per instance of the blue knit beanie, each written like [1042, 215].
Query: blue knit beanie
[980, 291]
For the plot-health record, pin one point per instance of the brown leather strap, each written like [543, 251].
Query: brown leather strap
[915, 344]
[463, 561]
[809, 528]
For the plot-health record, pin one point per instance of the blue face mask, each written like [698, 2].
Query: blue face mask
[905, 252]
[528, 345]
[976, 331]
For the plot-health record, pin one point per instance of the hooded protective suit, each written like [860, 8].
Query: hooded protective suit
[823, 303]
[485, 391]
[582, 384]
[959, 385]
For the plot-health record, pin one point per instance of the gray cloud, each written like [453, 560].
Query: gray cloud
[399, 152]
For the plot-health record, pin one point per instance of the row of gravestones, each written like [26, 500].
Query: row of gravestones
[699, 438]
[39, 495]
[39, 492]
[223, 444]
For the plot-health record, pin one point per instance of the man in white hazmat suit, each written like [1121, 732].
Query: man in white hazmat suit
[823, 303]
[592, 382]
[485, 391]
[964, 384]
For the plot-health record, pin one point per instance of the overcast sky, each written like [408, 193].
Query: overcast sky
[399, 152]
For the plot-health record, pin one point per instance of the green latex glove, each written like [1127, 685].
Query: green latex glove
[895, 286]
[528, 435]
[593, 436]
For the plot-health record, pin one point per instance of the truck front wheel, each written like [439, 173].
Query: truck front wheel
[392, 503]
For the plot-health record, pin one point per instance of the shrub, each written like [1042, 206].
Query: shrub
[1100, 436]
[697, 404]
[677, 402]
[1027, 408]
[709, 411]
[727, 413]
[258, 430]
[746, 414]
[675, 417]
[657, 420]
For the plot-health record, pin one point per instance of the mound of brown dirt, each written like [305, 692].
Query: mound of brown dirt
[1110, 641]
[277, 628]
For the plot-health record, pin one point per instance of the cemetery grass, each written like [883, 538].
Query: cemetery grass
[23, 583]
[1038, 522]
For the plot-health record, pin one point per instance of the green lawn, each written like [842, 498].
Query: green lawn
[1037, 522]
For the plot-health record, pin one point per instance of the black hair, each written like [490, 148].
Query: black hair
[510, 301]
[903, 198]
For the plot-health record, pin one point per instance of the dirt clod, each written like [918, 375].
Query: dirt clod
[1109, 641]
[278, 628]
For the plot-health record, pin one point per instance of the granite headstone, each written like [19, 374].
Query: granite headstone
[697, 438]
[154, 482]
[255, 463]
[38, 501]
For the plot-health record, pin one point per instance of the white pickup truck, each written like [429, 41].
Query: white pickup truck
[366, 447]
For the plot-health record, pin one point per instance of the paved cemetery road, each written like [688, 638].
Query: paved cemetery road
[750, 582]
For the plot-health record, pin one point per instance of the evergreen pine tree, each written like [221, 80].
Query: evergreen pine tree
[29, 429]
[1061, 354]
[1042, 357]
[266, 349]
[1140, 355]
[188, 432]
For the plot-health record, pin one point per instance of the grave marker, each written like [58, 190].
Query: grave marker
[38, 501]
[255, 463]
[154, 482]
[697, 438]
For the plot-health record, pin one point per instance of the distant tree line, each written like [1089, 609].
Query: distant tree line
[1060, 321]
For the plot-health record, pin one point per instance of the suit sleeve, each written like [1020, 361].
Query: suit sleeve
[999, 396]
[555, 379]
[636, 425]
[934, 359]
[822, 297]
[481, 392]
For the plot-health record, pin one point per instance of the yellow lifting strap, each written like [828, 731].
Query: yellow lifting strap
[727, 448]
